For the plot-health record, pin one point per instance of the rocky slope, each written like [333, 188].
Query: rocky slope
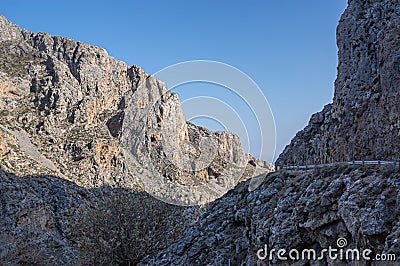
[363, 122]
[46, 220]
[296, 210]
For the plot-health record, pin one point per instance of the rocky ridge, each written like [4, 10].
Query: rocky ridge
[70, 110]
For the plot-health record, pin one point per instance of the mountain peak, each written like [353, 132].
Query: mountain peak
[9, 31]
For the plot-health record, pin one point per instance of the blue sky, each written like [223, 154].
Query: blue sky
[287, 47]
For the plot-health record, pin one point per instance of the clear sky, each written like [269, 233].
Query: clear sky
[287, 47]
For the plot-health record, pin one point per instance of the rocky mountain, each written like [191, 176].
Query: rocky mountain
[363, 122]
[82, 131]
[79, 129]
[70, 110]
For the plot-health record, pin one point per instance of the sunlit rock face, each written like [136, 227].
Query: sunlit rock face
[71, 110]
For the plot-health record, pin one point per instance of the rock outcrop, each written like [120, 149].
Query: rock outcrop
[363, 122]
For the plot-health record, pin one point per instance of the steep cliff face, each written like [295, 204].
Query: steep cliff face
[363, 122]
[70, 110]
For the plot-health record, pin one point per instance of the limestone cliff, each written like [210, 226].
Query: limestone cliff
[69, 109]
[363, 122]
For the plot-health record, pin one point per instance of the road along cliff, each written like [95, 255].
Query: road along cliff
[363, 121]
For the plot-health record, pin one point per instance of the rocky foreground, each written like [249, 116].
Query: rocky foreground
[46, 220]
[50, 221]
[296, 210]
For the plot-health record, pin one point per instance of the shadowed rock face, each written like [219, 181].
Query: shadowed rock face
[295, 210]
[47, 220]
[363, 122]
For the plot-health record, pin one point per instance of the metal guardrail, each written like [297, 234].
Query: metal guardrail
[312, 166]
